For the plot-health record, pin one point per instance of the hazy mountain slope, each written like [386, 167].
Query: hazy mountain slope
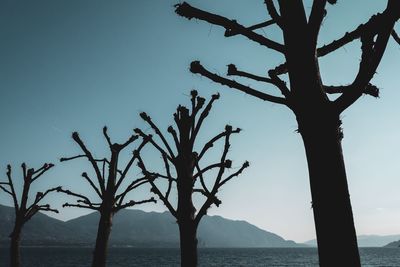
[140, 229]
[367, 240]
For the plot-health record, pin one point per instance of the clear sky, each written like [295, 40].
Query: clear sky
[79, 65]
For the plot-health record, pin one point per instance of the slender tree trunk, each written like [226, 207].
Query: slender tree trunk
[188, 243]
[14, 247]
[103, 234]
[336, 236]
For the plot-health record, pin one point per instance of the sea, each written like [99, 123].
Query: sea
[125, 257]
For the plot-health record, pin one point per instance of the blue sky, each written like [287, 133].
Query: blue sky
[79, 65]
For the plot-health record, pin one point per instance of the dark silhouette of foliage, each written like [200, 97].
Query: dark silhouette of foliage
[108, 188]
[190, 177]
[318, 117]
[23, 211]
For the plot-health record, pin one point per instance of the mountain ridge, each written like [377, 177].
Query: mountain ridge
[138, 228]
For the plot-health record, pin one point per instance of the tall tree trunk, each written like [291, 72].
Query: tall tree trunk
[336, 236]
[14, 246]
[103, 234]
[188, 243]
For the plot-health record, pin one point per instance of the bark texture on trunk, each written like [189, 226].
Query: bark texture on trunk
[14, 248]
[103, 234]
[188, 244]
[336, 236]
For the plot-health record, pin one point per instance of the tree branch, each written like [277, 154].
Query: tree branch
[315, 20]
[87, 178]
[395, 36]
[89, 155]
[226, 164]
[274, 80]
[11, 184]
[196, 67]
[210, 144]
[370, 89]
[147, 119]
[135, 154]
[133, 203]
[149, 138]
[80, 206]
[244, 166]
[154, 188]
[273, 13]
[41, 171]
[189, 12]
[372, 53]
[229, 33]
[68, 192]
[203, 115]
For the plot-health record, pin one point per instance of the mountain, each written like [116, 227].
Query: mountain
[138, 229]
[394, 244]
[367, 240]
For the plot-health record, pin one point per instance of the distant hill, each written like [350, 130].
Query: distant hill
[367, 240]
[394, 244]
[139, 229]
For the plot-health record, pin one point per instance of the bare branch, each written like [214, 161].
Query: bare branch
[154, 188]
[372, 53]
[134, 184]
[212, 197]
[244, 166]
[317, 15]
[41, 195]
[229, 33]
[203, 115]
[133, 203]
[41, 171]
[80, 206]
[196, 67]
[226, 164]
[128, 142]
[370, 89]
[47, 208]
[203, 184]
[5, 190]
[396, 36]
[107, 136]
[68, 192]
[149, 138]
[11, 184]
[210, 144]
[273, 13]
[371, 26]
[147, 118]
[135, 154]
[186, 10]
[87, 178]
[274, 80]
[89, 155]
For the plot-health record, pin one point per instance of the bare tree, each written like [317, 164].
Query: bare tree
[109, 189]
[190, 177]
[23, 211]
[318, 117]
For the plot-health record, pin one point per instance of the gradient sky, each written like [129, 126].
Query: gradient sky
[79, 65]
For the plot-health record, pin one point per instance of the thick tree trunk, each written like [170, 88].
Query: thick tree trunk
[336, 236]
[103, 234]
[14, 247]
[188, 243]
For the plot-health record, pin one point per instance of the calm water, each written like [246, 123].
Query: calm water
[80, 257]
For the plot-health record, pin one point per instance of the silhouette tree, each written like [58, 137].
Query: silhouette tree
[23, 211]
[190, 177]
[318, 117]
[108, 189]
